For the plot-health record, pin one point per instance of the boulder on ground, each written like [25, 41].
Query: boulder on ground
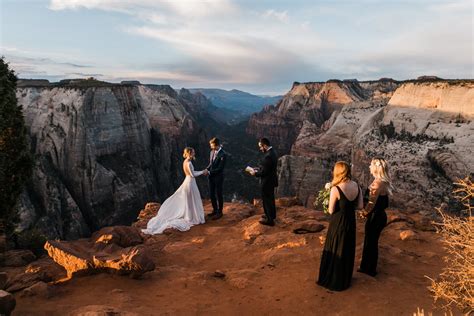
[219, 274]
[83, 257]
[3, 280]
[18, 257]
[150, 211]
[7, 303]
[26, 279]
[39, 289]
[47, 267]
[134, 261]
[123, 236]
[74, 256]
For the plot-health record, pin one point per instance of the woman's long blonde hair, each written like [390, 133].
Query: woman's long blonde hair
[381, 171]
[188, 152]
[341, 173]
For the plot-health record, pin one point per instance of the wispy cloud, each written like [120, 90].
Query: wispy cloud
[281, 16]
[441, 47]
[464, 6]
[82, 74]
[261, 45]
[33, 64]
[188, 8]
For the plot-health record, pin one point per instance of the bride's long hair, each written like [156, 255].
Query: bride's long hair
[341, 173]
[188, 152]
[381, 171]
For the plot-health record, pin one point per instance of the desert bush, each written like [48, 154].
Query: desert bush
[455, 285]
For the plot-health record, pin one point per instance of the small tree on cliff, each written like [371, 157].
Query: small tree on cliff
[15, 158]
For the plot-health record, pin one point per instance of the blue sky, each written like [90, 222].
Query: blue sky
[256, 46]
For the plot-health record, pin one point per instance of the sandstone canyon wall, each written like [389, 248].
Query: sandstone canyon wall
[101, 152]
[307, 108]
[423, 128]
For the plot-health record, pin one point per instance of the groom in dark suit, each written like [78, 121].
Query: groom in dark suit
[216, 166]
[269, 180]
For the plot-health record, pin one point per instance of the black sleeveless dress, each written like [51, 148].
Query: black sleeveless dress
[337, 260]
[376, 222]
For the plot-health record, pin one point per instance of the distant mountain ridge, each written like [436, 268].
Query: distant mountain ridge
[236, 100]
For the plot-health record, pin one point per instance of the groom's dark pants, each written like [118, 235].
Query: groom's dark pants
[268, 200]
[216, 183]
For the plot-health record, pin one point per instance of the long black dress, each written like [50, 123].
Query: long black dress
[337, 261]
[376, 222]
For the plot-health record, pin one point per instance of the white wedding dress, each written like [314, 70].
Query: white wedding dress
[181, 210]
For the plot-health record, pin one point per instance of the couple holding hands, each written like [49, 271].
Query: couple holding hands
[184, 208]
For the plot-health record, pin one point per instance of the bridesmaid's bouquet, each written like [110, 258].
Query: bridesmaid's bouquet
[323, 198]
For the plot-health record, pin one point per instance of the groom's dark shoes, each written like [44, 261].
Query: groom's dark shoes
[216, 216]
[267, 222]
[210, 215]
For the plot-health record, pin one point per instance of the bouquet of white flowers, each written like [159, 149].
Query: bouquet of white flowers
[323, 198]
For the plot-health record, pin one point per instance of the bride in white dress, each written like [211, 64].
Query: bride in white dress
[184, 208]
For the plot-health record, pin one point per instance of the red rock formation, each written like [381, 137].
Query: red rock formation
[454, 97]
[108, 250]
[305, 104]
[7, 303]
[428, 144]
[102, 151]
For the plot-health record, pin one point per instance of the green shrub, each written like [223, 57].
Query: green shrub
[15, 158]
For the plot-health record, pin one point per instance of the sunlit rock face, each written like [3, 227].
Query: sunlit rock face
[307, 108]
[447, 96]
[423, 128]
[101, 152]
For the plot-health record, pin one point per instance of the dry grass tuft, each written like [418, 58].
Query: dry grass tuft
[455, 285]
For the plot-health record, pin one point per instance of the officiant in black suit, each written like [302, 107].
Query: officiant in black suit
[216, 166]
[267, 172]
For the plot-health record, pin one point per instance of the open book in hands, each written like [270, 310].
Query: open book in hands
[251, 170]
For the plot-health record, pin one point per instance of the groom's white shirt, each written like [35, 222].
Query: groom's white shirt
[214, 154]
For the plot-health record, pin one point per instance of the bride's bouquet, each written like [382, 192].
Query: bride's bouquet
[323, 198]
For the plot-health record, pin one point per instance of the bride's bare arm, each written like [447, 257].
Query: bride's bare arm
[191, 172]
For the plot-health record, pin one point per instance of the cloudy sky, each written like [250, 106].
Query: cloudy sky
[256, 46]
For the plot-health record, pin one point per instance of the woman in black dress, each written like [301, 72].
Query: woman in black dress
[337, 260]
[374, 211]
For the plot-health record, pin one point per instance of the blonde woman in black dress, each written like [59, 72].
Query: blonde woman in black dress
[337, 260]
[374, 211]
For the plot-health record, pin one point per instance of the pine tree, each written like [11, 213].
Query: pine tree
[15, 158]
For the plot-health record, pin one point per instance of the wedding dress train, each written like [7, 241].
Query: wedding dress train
[181, 210]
